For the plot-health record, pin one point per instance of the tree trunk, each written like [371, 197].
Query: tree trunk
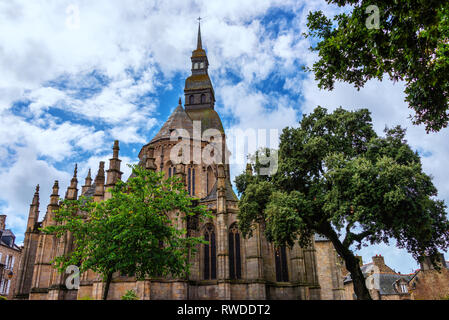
[106, 287]
[352, 264]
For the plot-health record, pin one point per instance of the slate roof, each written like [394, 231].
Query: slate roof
[209, 119]
[230, 195]
[7, 238]
[387, 281]
[177, 120]
[365, 268]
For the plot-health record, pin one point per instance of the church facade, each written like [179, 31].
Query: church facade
[228, 267]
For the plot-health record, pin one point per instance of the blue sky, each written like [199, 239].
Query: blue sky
[78, 74]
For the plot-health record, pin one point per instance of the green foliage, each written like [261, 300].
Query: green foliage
[338, 178]
[130, 295]
[134, 232]
[3, 298]
[411, 45]
[86, 298]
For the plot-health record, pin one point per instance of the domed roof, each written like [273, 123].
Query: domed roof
[209, 119]
[177, 120]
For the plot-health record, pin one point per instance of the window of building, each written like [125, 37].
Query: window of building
[235, 264]
[281, 264]
[195, 66]
[171, 171]
[203, 98]
[202, 65]
[404, 288]
[191, 181]
[191, 99]
[210, 253]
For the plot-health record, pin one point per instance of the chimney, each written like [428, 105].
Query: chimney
[2, 222]
[378, 260]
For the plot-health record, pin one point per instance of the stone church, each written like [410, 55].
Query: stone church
[228, 267]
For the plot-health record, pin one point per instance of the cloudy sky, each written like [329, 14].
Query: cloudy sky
[76, 75]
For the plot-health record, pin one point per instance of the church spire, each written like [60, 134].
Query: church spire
[199, 45]
[199, 93]
[72, 190]
[33, 215]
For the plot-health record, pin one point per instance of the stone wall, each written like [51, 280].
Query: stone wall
[430, 285]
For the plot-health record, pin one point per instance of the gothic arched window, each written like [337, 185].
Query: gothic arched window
[210, 253]
[210, 179]
[195, 66]
[281, 264]
[202, 65]
[191, 181]
[203, 98]
[171, 171]
[235, 264]
[191, 99]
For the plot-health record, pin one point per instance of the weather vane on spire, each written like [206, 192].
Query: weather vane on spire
[199, 19]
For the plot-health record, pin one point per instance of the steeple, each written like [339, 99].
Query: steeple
[199, 93]
[113, 173]
[99, 183]
[52, 206]
[72, 190]
[87, 182]
[54, 198]
[33, 215]
[199, 45]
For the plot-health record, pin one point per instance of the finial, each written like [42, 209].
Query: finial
[56, 185]
[75, 173]
[115, 149]
[36, 196]
[180, 101]
[89, 174]
[199, 45]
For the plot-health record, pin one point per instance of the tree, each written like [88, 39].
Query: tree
[411, 44]
[133, 232]
[338, 178]
[130, 295]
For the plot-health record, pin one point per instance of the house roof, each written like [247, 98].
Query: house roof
[387, 281]
[365, 269]
[7, 238]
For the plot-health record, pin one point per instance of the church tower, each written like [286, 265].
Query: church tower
[199, 93]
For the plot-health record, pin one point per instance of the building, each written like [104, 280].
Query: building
[382, 282]
[229, 266]
[428, 283]
[10, 255]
